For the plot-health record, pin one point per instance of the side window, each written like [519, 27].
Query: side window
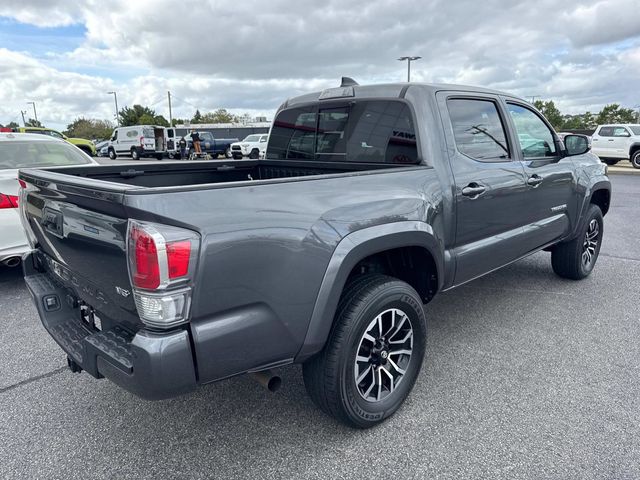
[536, 139]
[620, 132]
[478, 130]
[263, 138]
[114, 136]
[606, 132]
[293, 134]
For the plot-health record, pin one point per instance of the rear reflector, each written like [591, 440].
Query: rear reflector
[8, 201]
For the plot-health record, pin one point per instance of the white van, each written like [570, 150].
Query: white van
[138, 141]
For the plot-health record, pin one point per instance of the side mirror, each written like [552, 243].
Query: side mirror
[576, 144]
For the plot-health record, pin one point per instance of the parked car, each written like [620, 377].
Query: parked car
[253, 146]
[103, 148]
[138, 141]
[19, 150]
[83, 144]
[371, 200]
[211, 145]
[613, 143]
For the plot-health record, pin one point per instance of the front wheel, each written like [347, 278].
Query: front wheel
[373, 355]
[575, 259]
[635, 159]
[112, 154]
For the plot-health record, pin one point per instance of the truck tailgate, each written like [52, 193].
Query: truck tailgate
[80, 232]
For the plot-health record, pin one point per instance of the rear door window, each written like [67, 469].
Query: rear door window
[478, 129]
[620, 132]
[374, 131]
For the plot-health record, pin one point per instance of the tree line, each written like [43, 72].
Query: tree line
[612, 113]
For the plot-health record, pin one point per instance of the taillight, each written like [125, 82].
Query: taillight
[8, 201]
[162, 263]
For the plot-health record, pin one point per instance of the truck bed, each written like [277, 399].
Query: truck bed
[210, 173]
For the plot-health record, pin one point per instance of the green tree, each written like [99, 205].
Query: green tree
[139, 115]
[197, 117]
[11, 124]
[146, 119]
[34, 123]
[551, 112]
[89, 128]
[219, 116]
[614, 113]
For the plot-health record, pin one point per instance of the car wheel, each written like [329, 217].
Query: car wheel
[610, 161]
[635, 159]
[255, 153]
[575, 259]
[134, 154]
[227, 153]
[373, 355]
[112, 154]
[159, 156]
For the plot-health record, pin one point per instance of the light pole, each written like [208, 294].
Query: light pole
[409, 60]
[115, 99]
[35, 115]
[637, 114]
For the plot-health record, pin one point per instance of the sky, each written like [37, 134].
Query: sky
[250, 55]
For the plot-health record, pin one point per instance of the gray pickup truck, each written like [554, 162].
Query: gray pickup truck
[370, 201]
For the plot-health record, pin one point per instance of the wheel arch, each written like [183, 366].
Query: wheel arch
[411, 241]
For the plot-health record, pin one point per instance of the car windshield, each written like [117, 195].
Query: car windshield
[19, 154]
[252, 138]
[635, 130]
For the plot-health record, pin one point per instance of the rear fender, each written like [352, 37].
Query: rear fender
[351, 250]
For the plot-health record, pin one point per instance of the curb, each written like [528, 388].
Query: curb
[623, 170]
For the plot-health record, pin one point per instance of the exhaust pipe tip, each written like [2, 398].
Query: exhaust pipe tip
[12, 262]
[267, 379]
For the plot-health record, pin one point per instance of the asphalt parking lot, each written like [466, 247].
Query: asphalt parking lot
[526, 376]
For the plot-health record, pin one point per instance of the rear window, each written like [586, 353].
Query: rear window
[39, 154]
[147, 133]
[378, 131]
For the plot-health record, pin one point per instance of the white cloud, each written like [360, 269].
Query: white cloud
[251, 55]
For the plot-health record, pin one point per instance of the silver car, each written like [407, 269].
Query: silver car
[24, 150]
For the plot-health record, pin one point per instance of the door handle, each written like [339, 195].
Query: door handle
[534, 180]
[611, 139]
[473, 190]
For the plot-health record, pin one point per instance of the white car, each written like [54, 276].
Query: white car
[253, 146]
[613, 143]
[25, 150]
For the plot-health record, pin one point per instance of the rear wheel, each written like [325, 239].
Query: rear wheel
[575, 259]
[227, 153]
[373, 355]
[134, 154]
[635, 159]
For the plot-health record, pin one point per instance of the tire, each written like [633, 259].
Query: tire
[576, 258]
[635, 159]
[227, 153]
[610, 161]
[255, 153]
[134, 154]
[112, 154]
[330, 376]
[159, 156]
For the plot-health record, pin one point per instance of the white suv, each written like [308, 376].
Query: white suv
[613, 143]
[253, 146]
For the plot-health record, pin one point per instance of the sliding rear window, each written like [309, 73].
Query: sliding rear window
[374, 131]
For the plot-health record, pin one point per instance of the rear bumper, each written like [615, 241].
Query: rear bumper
[151, 365]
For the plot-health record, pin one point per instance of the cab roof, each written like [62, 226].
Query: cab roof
[384, 90]
[31, 137]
